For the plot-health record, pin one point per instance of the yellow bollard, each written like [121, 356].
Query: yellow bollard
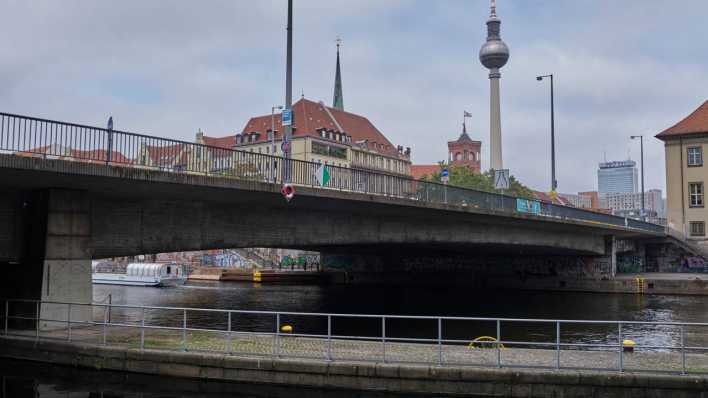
[628, 345]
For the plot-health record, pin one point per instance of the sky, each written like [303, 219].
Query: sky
[167, 69]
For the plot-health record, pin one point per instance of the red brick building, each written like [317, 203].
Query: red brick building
[462, 152]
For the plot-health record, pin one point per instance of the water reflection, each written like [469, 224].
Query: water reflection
[29, 380]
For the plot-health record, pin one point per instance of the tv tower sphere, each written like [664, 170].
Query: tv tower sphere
[494, 52]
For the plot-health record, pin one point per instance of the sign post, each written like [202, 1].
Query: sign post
[445, 178]
[501, 179]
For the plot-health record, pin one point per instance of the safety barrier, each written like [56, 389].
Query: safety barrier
[444, 340]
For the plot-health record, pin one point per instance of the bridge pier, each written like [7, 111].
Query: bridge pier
[51, 259]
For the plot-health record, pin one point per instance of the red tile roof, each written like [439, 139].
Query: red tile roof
[78, 154]
[310, 116]
[100, 155]
[419, 171]
[168, 155]
[222, 142]
[695, 123]
[545, 197]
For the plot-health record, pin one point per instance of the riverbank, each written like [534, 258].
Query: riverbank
[355, 375]
[694, 284]
[264, 276]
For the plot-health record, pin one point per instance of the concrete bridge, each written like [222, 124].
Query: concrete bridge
[58, 212]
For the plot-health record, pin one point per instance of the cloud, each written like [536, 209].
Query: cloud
[170, 68]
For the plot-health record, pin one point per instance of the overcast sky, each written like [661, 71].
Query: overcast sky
[168, 68]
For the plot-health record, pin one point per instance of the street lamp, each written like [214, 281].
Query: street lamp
[641, 149]
[272, 138]
[554, 183]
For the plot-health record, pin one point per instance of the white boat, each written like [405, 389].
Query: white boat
[143, 274]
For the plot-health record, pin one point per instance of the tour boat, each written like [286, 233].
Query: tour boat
[143, 274]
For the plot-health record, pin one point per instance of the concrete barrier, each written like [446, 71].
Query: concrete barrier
[399, 378]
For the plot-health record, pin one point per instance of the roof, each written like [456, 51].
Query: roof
[545, 197]
[419, 171]
[165, 155]
[695, 123]
[222, 142]
[79, 154]
[310, 116]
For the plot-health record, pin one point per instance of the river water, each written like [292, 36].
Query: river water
[46, 381]
[424, 301]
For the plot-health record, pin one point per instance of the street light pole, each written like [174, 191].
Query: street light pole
[641, 151]
[554, 182]
[272, 139]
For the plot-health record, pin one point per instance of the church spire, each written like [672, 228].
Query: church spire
[338, 101]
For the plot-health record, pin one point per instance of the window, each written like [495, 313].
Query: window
[695, 156]
[698, 228]
[695, 194]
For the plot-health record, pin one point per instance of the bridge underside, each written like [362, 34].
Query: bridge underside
[55, 216]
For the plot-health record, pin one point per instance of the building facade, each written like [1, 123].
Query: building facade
[629, 204]
[465, 151]
[616, 177]
[686, 175]
[462, 152]
[321, 134]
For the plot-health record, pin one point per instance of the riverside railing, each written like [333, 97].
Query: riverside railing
[674, 347]
[29, 136]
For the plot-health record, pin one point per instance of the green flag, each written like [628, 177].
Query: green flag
[322, 175]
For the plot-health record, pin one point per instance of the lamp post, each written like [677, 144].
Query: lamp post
[641, 151]
[272, 139]
[554, 183]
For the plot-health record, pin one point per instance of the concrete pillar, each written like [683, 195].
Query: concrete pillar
[66, 265]
[495, 143]
[611, 254]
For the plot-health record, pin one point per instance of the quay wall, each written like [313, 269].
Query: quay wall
[399, 378]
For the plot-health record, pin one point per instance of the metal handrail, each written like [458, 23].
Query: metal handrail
[439, 343]
[24, 135]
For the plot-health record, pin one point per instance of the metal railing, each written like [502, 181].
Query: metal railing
[431, 340]
[29, 136]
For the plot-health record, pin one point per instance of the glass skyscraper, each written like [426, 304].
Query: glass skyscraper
[617, 177]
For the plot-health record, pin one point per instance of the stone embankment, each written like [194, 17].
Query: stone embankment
[454, 379]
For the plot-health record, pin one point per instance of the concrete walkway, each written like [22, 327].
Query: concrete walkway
[403, 378]
[348, 349]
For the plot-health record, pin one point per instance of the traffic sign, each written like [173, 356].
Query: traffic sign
[444, 175]
[287, 117]
[501, 179]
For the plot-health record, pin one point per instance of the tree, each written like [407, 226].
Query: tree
[464, 177]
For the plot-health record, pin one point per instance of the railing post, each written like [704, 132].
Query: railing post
[7, 315]
[68, 322]
[142, 331]
[277, 334]
[329, 337]
[621, 347]
[383, 338]
[558, 345]
[184, 330]
[105, 323]
[228, 349]
[683, 349]
[440, 352]
[498, 343]
[36, 337]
